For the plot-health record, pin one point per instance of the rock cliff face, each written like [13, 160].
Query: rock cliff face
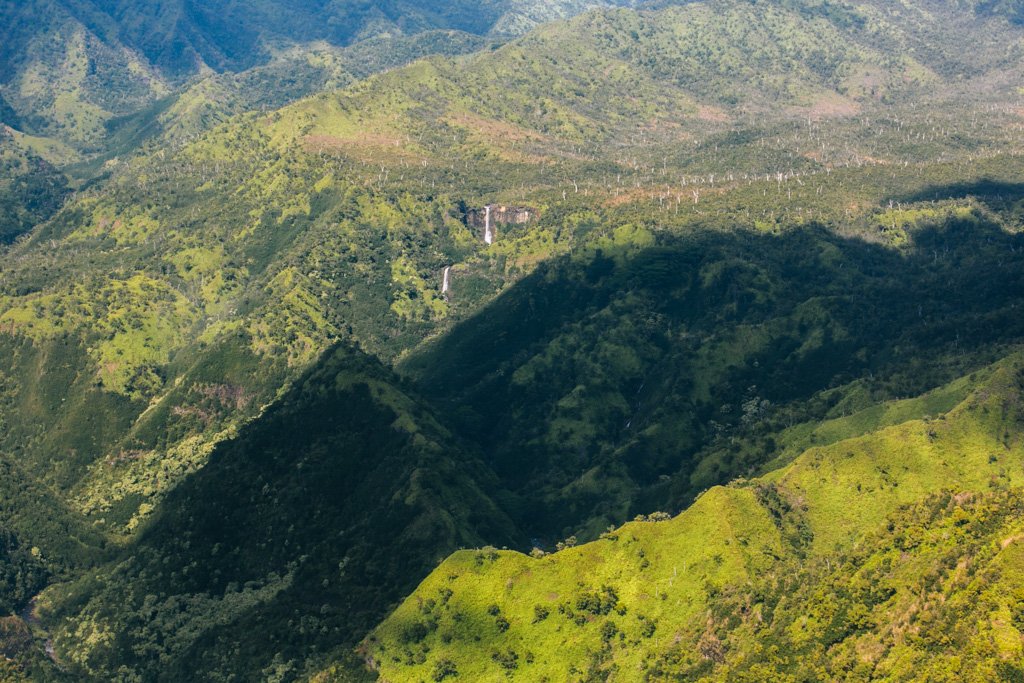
[486, 218]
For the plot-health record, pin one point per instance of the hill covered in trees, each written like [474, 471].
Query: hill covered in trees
[87, 83]
[72, 66]
[263, 372]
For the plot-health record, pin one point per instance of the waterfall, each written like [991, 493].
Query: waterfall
[488, 235]
[445, 281]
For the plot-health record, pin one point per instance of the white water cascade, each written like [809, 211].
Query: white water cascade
[446, 281]
[488, 235]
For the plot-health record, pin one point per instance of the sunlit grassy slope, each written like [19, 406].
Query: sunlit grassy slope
[86, 84]
[72, 68]
[705, 594]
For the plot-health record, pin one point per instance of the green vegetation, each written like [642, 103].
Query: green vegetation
[237, 556]
[643, 379]
[156, 476]
[77, 72]
[31, 188]
[240, 420]
[888, 555]
[84, 85]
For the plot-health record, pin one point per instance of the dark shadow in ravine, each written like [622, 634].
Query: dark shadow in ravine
[996, 194]
[605, 386]
[298, 535]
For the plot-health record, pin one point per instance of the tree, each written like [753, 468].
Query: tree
[445, 668]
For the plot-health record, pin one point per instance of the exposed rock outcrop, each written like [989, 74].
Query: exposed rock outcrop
[485, 219]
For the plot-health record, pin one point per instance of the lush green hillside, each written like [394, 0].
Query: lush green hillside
[31, 187]
[690, 70]
[892, 555]
[624, 473]
[751, 234]
[293, 540]
[69, 66]
[97, 80]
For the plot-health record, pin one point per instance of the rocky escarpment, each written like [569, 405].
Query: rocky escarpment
[486, 218]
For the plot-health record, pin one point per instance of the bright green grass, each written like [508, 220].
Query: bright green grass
[480, 611]
[661, 573]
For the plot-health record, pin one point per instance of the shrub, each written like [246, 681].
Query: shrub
[445, 668]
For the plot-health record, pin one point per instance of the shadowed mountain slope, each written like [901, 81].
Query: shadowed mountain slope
[294, 539]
